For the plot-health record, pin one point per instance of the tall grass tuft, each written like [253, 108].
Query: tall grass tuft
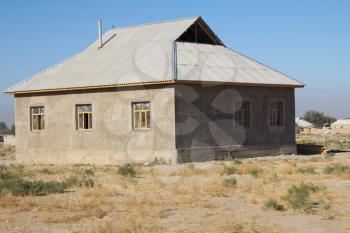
[127, 170]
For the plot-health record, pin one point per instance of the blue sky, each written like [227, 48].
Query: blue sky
[308, 40]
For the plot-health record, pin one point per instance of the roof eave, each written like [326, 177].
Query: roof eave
[199, 82]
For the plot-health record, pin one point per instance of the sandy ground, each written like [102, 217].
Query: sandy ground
[183, 198]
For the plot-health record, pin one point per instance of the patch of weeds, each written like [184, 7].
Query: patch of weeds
[6, 150]
[271, 179]
[307, 170]
[127, 170]
[229, 170]
[46, 171]
[15, 170]
[80, 181]
[230, 182]
[255, 172]
[337, 169]
[87, 172]
[298, 197]
[158, 161]
[272, 204]
[20, 187]
[12, 182]
[237, 161]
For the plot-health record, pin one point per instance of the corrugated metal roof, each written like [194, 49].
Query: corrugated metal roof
[303, 123]
[203, 62]
[342, 122]
[143, 54]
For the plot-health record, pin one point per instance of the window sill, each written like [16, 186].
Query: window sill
[84, 130]
[142, 130]
[37, 131]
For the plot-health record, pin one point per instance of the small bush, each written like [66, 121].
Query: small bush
[230, 170]
[298, 197]
[255, 171]
[307, 170]
[273, 205]
[237, 161]
[127, 170]
[12, 182]
[87, 172]
[230, 182]
[20, 187]
[80, 181]
[15, 170]
[337, 169]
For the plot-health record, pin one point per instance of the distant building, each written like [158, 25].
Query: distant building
[341, 126]
[303, 123]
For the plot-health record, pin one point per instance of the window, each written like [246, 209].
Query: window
[141, 115]
[276, 113]
[84, 116]
[37, 115]
[243, 113]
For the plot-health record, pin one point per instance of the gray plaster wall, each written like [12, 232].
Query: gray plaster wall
[111, 140]
[206, 127]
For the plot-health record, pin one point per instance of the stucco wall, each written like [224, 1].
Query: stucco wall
[205, 118]
[111, 140]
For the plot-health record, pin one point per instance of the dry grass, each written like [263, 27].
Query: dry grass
[99, 192]
[6, 150]
[8, 201]
[246, 226]
[170, 198]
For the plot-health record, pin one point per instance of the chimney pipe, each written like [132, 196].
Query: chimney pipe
[100, 32]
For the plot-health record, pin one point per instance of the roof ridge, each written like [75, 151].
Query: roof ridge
[268, 67]
[159, 22]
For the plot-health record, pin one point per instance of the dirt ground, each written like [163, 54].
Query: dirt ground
[228, 196]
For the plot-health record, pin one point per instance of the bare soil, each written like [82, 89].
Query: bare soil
[186, 198]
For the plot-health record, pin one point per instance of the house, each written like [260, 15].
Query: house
[169, 90]
[304, 126]
[341, 127]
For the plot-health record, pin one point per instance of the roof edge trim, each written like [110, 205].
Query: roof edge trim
[199, 82]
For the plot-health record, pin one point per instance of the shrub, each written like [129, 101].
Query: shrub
[307, 170]
[11, 181]
[230, 182]
[273, 205]
[230, 170]
[87, 172]
[127, 170]
[20, 187]
[237, 161]
[255, 171]
[80, 181]
[298, 197]
[15, 170]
